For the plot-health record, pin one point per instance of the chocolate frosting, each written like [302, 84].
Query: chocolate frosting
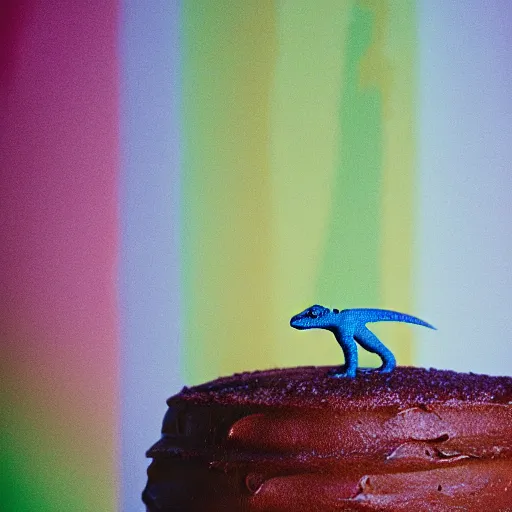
[298, 440]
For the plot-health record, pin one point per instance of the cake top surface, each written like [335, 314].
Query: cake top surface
[313, 387]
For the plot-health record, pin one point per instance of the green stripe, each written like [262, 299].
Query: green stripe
[38, 477]
[397, 38]
[349, 275]
[367, 259]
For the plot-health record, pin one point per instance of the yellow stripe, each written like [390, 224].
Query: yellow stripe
[229, 50]
[393, 68]
[305, 132]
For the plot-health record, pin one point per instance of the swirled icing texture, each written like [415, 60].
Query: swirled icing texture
[296, 440]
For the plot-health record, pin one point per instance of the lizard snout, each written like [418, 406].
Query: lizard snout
[293, 322]
[297, 322]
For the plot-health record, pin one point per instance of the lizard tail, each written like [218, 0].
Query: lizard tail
[385, 315]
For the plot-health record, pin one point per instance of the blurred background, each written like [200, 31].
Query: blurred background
[179, 178]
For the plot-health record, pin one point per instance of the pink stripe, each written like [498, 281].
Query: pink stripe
[58, 219]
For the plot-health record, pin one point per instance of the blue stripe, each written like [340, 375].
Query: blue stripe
[149, 263]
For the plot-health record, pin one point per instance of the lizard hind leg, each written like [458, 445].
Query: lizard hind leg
[372, 344]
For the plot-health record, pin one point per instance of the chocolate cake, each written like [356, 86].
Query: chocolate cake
[296, 440]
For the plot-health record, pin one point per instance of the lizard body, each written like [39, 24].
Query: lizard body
[349, 326]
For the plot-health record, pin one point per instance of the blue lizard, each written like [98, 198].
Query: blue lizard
[349, 325]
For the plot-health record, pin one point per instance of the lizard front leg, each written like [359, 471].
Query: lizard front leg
[349, 348]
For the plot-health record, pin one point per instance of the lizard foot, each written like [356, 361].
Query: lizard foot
[342, 372]
[368, 370]
[386, 369]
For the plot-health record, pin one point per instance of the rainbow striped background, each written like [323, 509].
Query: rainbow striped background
[179, 178]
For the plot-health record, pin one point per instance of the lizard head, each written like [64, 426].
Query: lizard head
[313, 317]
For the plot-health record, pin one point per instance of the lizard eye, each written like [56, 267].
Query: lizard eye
[312, 314]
